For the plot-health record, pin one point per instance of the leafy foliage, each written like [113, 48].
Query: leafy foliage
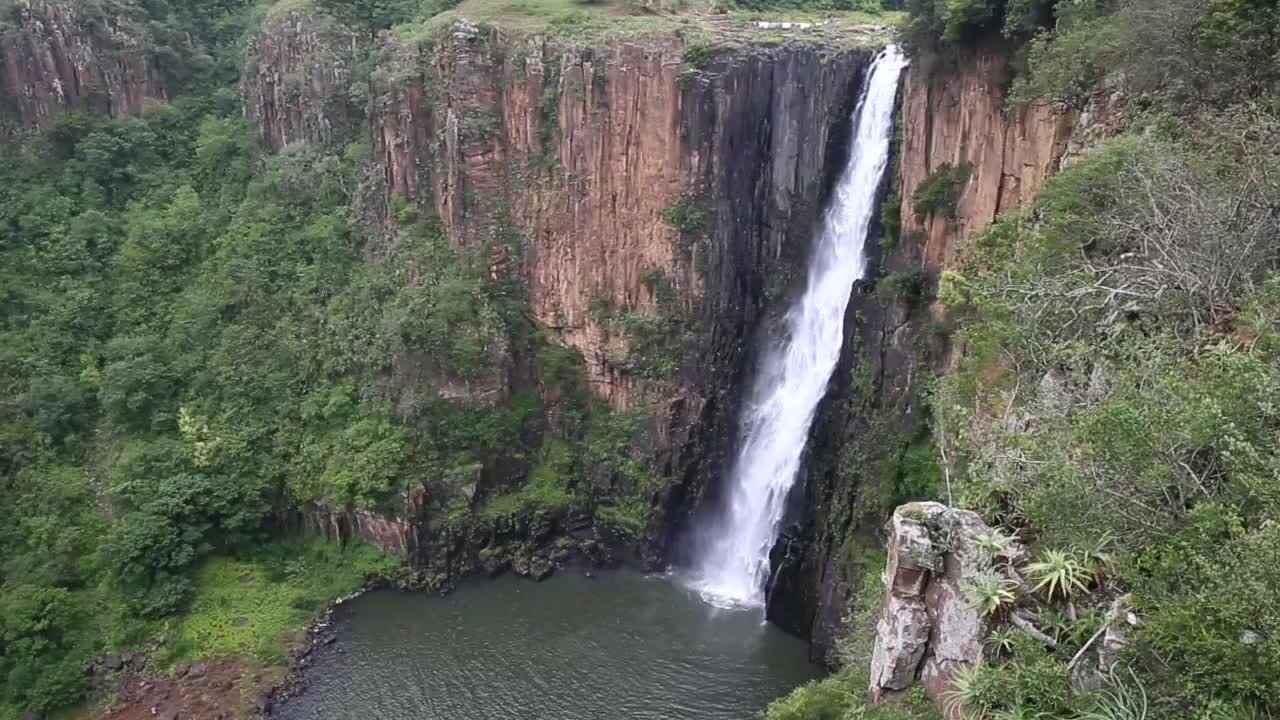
[1059, 574]
[939, 193]
[1109, 404]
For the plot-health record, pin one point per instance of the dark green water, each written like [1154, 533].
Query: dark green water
[618, 647]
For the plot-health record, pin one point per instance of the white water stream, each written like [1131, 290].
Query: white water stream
[794, 373]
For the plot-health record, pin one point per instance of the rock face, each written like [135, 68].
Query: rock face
[959, 115]
[55, 57]
[928, 628]
[582, 152]
[612, 180]
[583, 156]
[949, 115]
[297, 84]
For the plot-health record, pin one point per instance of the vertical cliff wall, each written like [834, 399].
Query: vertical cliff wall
[960, 115]
[592, 157]
[622, 184]
[297, 84]
[949, 115]
[587, 151]
[56, 55]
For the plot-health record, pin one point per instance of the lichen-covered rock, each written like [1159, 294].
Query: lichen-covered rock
[928, 627]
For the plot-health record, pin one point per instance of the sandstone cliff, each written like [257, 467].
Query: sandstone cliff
[623, 185]
[297, 84]
[960, 115]
[587, 155]
[57, 56]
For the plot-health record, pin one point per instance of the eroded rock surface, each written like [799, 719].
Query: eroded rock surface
[53, 58]
[928, 628]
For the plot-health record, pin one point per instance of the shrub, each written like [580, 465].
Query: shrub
[686, 214]
[827, 699]
[939, 193]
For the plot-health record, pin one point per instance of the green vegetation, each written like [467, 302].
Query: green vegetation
[256, 604]
[939, 193]
[200, 340]
[1119, 345]
[1121, 342]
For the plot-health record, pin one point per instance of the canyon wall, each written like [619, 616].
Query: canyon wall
[296, 84]
[586, 155]
[621, 185]
[57, 56]
[955, 115]
[959, 115]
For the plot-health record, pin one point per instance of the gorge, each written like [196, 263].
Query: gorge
[308, 297]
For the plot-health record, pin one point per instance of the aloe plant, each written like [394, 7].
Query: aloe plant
[1060, 574]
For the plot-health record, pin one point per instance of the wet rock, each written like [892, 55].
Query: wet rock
[541, 568]
[114, 663]
[264, 702]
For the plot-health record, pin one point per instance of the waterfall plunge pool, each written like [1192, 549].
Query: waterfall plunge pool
[620, 646]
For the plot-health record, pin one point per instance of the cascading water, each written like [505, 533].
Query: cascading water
[793, 377]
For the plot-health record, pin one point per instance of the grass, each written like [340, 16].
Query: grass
[581, 21]
[258, 605]
[546, 489]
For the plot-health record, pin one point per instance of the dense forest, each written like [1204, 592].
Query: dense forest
[1112, 403]
[198, 341]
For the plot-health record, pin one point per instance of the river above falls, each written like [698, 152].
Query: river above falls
[620, 646]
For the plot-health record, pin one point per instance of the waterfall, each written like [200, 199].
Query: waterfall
[793, 375]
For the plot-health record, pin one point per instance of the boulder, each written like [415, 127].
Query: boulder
[928, 629]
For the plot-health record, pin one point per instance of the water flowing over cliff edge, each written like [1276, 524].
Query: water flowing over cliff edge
[794, 374]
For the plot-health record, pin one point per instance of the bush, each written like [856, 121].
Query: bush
[939, 193]
[827, 699]
[686, 215]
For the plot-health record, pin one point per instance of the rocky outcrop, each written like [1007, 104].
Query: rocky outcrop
[928, 627]
[393, 533]
[57, 55]
[297, 84]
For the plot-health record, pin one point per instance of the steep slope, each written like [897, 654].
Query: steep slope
[655, 195]
[57, 56]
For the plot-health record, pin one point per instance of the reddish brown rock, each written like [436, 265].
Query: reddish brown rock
[53, 59]
[297, 84]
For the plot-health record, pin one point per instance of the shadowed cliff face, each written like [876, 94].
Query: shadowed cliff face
[53, 58]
